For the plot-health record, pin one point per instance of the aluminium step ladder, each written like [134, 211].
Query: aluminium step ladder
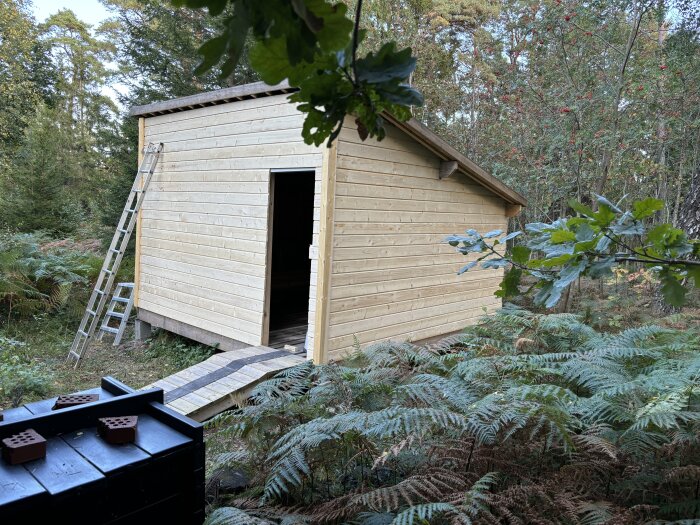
[114, 256]
[126, 303]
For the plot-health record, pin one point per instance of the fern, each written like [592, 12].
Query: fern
[584, 427]
[33, 279]
[596, 513]
[233, 516]
[424, 513]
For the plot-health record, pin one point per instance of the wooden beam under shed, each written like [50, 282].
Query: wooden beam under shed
[447, 168]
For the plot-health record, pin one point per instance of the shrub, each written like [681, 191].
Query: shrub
[524, 418]
[18, 376]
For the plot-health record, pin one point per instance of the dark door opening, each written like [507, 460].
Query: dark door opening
[290, 272]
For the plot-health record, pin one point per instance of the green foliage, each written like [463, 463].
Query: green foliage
[23, 75]
[146, 31]
[591, 244]
[579, 424]
[18, 376]
[35, 277]
[55, 168]
[35, 192]
[313, 45]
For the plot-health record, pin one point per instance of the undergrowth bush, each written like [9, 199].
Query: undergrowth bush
[524, 418]
[38, 276]
[181, 352]
[19, 377]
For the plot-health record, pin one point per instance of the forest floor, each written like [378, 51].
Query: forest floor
[627, 301]
[47, 340]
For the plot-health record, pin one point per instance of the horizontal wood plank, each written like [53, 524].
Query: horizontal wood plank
[393, 274]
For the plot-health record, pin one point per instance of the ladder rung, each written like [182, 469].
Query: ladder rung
[108, 272]
[114, 250]
[120, 299]
[109, 329]
[84, 334]
[125, 285]
[112, 313]
[121, 230]
[132, 211]
[99, 292]
[91, 312]
[74, 354]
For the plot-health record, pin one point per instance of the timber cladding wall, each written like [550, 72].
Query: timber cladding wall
[392, 274]
[203, 237]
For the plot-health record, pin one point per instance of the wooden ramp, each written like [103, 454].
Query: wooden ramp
[222, 381]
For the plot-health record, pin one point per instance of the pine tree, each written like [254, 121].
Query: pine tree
[35, 192]
[23, 73]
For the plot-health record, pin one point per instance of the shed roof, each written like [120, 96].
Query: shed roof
[412, 127]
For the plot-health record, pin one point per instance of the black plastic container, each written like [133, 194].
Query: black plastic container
[85, 480]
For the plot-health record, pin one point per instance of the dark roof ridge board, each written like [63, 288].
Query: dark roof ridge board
[210, 98]
[412, 127]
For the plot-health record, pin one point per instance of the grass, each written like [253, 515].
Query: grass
[48, 337]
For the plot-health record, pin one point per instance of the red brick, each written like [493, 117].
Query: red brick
[118, 430]
[25, 446]
[72, 400]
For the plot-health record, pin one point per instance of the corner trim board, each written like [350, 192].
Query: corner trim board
[137, 245]
[325, 253]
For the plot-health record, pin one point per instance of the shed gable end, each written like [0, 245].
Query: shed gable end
[393, 276]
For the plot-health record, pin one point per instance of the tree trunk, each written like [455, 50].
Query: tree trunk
[689, 217]
[616, 111]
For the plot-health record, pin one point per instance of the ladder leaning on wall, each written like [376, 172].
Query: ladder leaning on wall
[120, 241]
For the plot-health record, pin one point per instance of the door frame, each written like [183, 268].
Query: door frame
[265, 333]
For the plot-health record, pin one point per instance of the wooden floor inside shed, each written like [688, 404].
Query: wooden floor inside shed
[292, 332]
[222, 381]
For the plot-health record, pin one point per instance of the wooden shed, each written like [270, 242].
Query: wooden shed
[249, 236]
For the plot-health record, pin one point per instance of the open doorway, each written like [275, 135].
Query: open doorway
[290, 267]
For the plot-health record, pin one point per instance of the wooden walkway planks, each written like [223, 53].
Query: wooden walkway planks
[212, 386]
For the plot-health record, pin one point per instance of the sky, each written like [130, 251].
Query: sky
[90, 11]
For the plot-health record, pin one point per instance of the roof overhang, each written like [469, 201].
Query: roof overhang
[211, 98]
[412, 127]
[421, 133]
